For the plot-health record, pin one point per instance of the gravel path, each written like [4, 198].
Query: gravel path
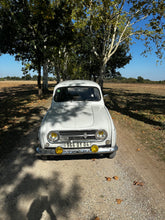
[76, 188]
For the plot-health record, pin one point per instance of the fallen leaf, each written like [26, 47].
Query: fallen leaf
[119, 201]
[5, 127]
[138, 183]
[115, 177]
[159, 147]
[108, 178]
[10, 122]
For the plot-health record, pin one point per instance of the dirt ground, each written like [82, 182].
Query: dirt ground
[77, 188]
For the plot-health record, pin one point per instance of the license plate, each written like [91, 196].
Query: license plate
[77, 151]
[77, 145]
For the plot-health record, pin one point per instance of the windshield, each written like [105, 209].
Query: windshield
[77, 93]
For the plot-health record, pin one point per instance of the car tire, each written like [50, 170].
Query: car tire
[112, 155]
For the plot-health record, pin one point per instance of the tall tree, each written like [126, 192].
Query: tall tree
[119, 59]
[89, 63]
[116, 22]
[30, 30]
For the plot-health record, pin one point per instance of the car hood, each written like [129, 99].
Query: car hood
[75, 117]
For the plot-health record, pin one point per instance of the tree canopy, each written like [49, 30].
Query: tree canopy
[112, 23]
[31, 30]
[80, 39]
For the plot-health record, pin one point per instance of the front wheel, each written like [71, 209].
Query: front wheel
[111, 155]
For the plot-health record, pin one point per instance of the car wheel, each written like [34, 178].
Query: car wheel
[112, 155]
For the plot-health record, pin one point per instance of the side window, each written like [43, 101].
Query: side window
[94, 94]
[61, 95]
[97, 94]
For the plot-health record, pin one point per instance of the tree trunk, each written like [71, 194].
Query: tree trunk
[45, 78]
[65, 67]
[39, 80]
[94, 77]
[58, 73]
[101, 75]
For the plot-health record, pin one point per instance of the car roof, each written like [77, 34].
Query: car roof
[77, 83]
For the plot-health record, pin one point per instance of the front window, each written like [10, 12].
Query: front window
[77, 93]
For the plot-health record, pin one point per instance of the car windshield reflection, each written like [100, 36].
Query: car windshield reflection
[77, 93]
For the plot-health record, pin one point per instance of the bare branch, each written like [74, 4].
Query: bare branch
[122, 5]
[138, 20]
[119, 41]
[95, 52]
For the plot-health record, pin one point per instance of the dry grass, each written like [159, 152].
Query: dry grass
[140, 107]
[157, 89]
[12, 84]
[20, 110]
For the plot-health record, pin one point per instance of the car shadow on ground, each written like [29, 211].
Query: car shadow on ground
[72, 157]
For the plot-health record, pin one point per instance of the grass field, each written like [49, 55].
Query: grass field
[139, 107]
[20, 110]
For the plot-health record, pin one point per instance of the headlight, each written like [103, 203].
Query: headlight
[52, 137]
[101, 135]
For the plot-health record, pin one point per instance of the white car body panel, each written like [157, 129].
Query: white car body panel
[77, 116]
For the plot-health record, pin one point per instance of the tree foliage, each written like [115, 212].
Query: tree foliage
[116, 22]
[79, 39]
[32, 29]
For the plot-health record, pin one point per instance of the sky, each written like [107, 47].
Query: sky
[138, 66]
[147, 67]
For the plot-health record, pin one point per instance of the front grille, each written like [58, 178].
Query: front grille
[83, 135]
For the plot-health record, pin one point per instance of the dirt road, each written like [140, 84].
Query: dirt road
[76, 188]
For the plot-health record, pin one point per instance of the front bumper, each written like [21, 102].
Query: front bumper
[75, 151]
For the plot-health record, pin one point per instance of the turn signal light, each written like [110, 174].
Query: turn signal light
[59, 150]
[94, 148]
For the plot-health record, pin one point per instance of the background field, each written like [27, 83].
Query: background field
[141, 108]
[138, 107]
[20, 110]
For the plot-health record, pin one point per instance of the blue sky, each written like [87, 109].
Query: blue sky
[147, 67]
[138, 66]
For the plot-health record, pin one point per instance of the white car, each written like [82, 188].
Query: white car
[77, 122]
